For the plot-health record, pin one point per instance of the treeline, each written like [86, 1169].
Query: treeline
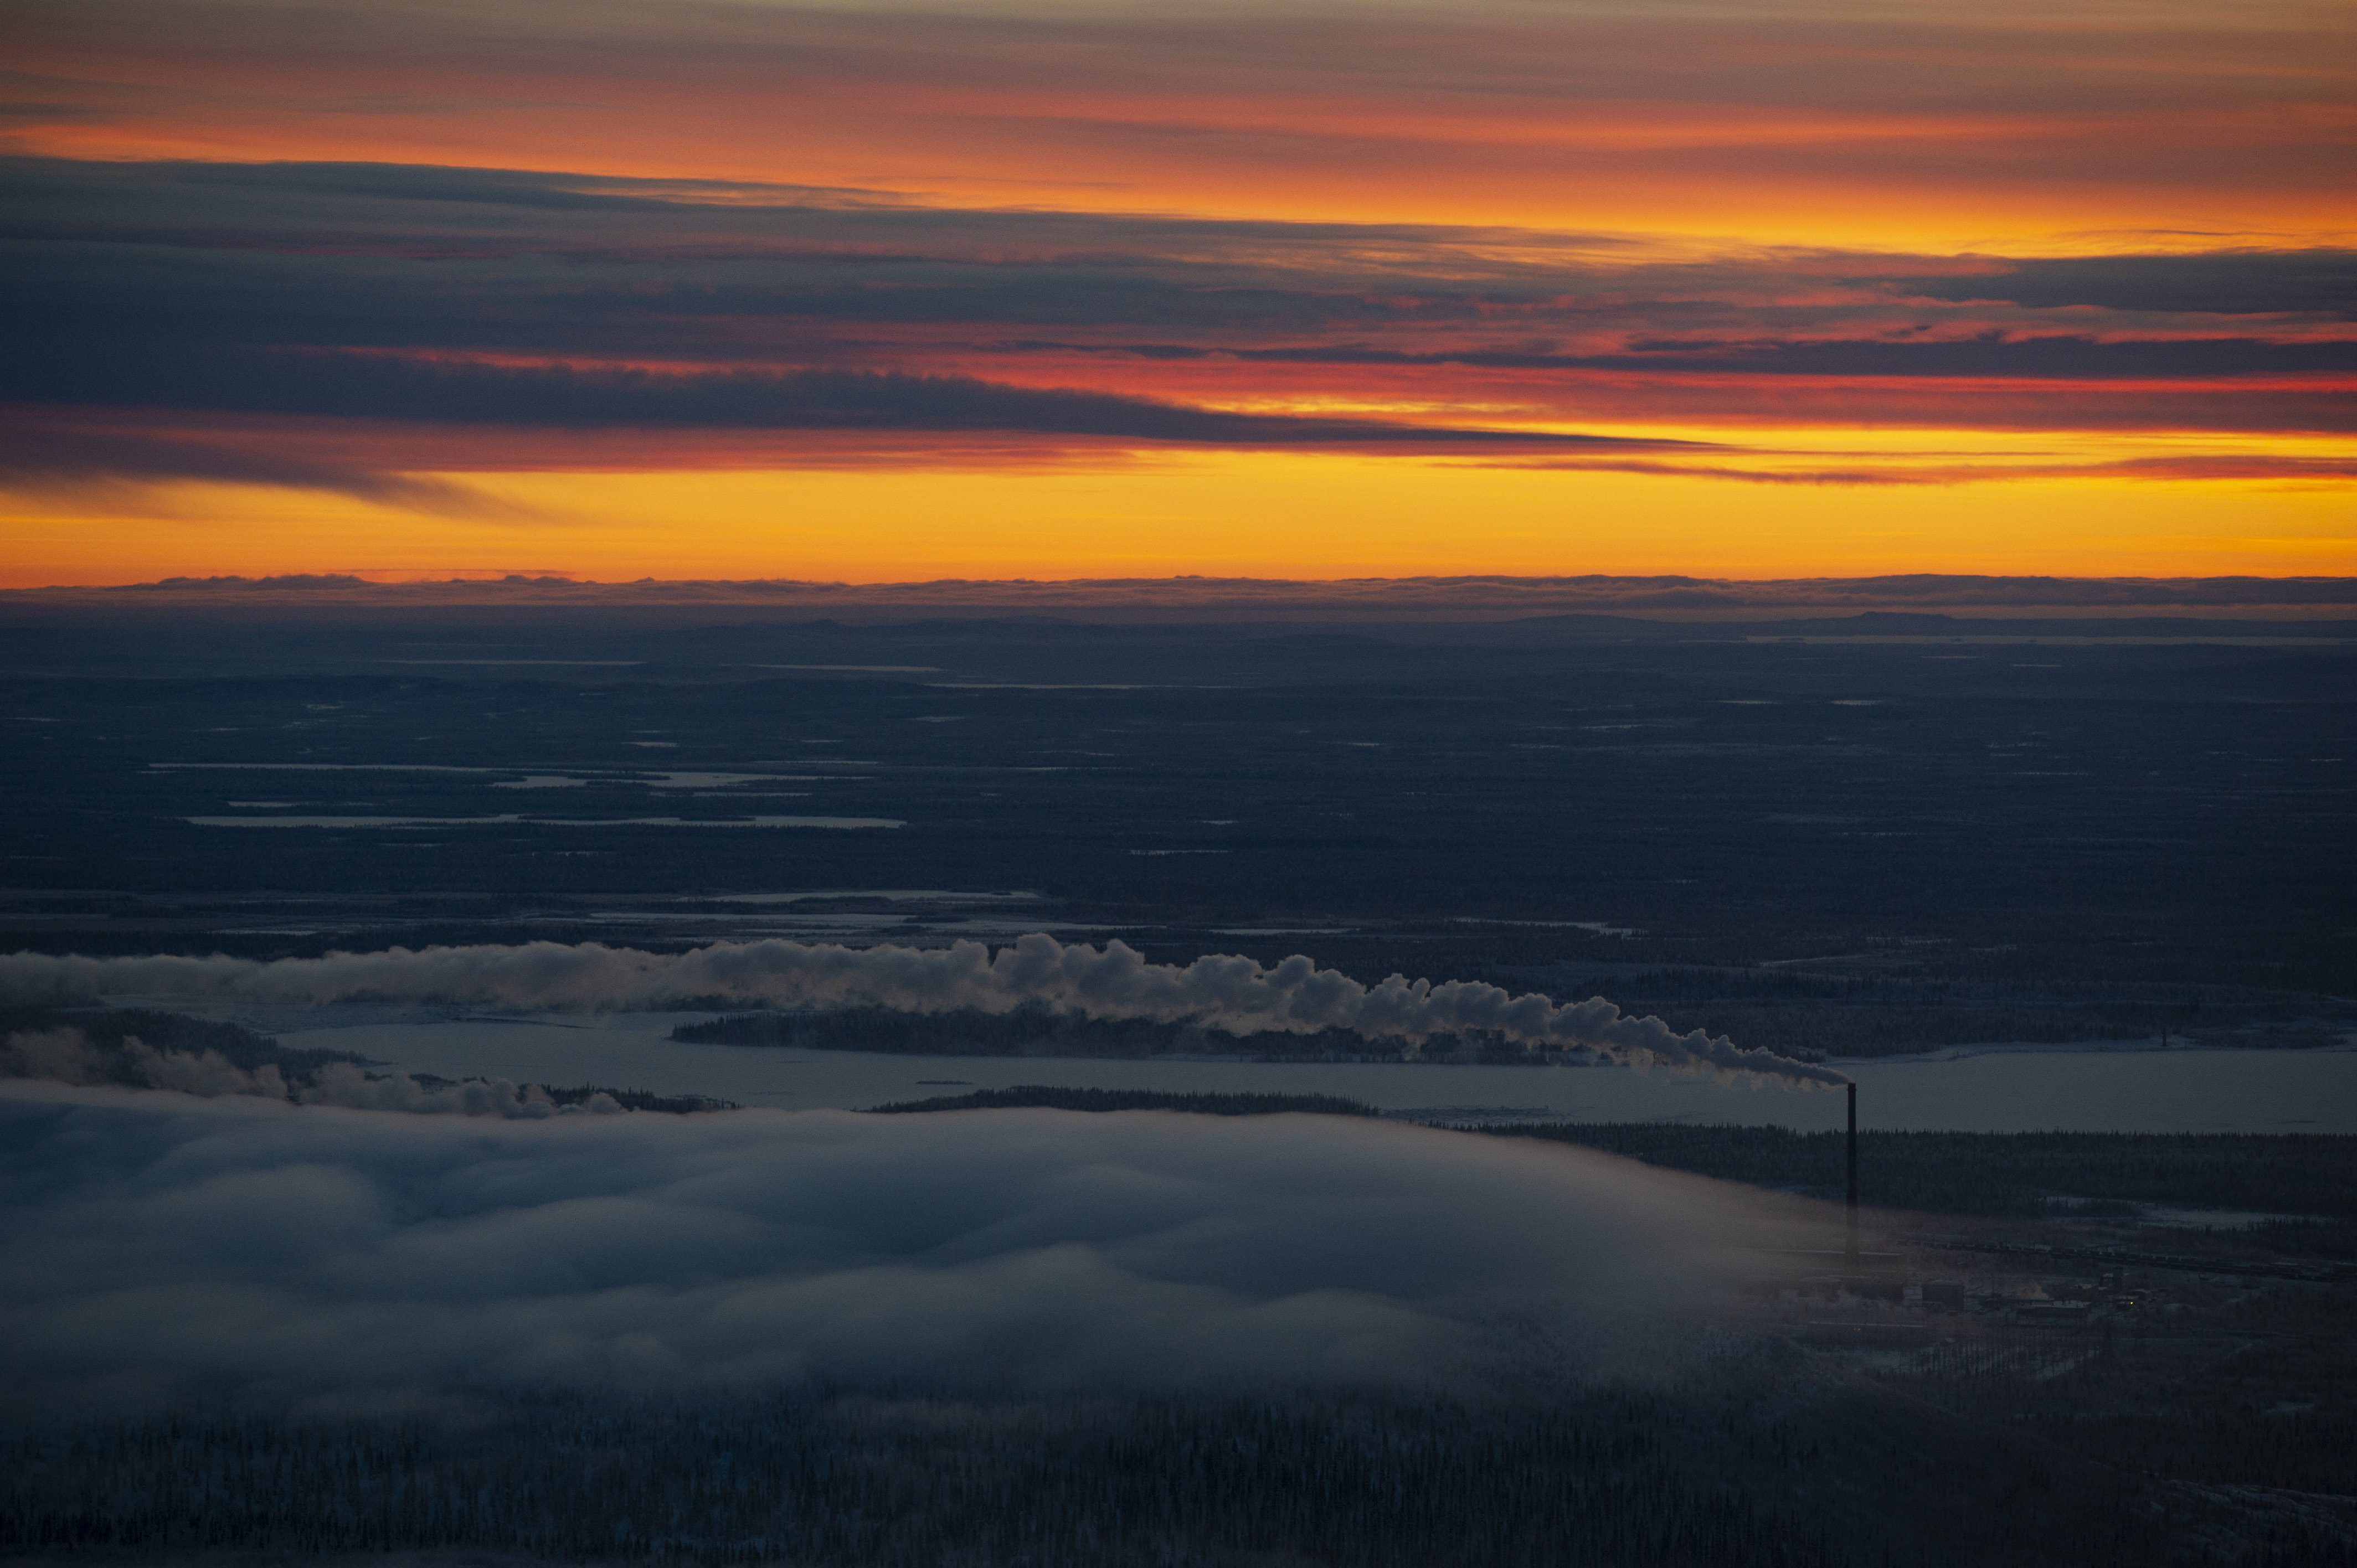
[851, 1482]
[1046, 1096]
[107, 1027]
[1735, 1466]
[1844, 1029]
[1804, 1030]
[2149, 1002]
[204, 1056]
[2001, 1174]
[628, 1099]
[1874, 1014]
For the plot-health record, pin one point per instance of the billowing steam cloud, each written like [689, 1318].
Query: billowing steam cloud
[1223, 992]
[163, 1247]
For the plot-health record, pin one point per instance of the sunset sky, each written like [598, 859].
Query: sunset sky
[861, 292]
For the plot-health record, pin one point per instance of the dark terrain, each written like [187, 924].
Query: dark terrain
[1881, 834]
[1966, 1391]
[1869, 836]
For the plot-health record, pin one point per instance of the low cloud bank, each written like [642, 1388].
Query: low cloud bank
[163, 1247]
[70, 1056]
[1223, 992]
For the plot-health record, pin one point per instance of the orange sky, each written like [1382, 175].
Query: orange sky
[761, 289]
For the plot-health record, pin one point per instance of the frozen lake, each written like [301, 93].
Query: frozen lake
[1992, 1089]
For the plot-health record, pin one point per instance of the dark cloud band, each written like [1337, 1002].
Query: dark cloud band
[441, 392]
[507, 300]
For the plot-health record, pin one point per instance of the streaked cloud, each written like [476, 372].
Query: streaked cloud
[418, 258]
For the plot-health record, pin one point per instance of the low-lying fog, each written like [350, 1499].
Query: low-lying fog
[164, 1246]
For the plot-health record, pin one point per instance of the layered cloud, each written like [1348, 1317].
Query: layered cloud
[351, 326]
[1765, 119]
[162, 1247]
[398, 255]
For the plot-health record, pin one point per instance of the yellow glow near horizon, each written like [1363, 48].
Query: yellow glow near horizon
[1801, 237]
[1263, 515]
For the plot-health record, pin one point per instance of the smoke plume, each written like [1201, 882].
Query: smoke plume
[1224, 991]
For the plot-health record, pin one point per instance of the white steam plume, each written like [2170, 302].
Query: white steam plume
[1223, 992]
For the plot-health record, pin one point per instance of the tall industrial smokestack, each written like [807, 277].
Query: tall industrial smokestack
[1851, 1246]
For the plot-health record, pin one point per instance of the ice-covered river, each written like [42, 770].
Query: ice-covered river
[1993, 1089]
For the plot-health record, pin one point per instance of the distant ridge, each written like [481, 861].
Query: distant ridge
[1926, 597]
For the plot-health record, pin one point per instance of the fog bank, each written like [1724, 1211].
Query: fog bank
[165, 1246]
